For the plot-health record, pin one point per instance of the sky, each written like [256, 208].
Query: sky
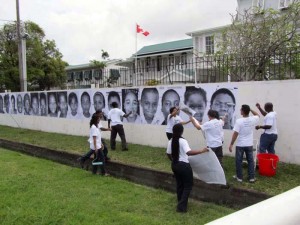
[81, 28]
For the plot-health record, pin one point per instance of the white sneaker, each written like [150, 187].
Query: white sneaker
[252, 180]
[237, 179]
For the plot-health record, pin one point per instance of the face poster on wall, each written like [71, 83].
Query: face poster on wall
[148, 105]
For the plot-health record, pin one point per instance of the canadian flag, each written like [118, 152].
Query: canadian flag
[140, 30]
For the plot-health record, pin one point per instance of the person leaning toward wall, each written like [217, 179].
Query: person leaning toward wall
[243, 133]
[270, 135]
[116, 125]
[213, 130]
[178, 151]
[172, 119]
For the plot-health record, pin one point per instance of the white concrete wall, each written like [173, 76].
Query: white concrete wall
[285, 95]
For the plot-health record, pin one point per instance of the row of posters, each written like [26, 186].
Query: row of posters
[149, 105]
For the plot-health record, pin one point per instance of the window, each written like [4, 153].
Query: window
[284, 4]
[70, 76]
[148, 61]
[209, 45]
[87, 75]
[258, 5]
[98, 74]
[158, 63]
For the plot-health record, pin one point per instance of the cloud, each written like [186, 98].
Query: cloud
[82, 28]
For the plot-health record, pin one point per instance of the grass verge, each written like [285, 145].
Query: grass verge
[38, 191]
[287, 176]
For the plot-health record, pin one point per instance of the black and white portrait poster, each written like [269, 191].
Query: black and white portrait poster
[148, 105]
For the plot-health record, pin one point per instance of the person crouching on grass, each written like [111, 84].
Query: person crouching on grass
[178, 151]
[96, 146]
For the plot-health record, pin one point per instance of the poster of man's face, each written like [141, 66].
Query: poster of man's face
[19, 103]
[149, 103]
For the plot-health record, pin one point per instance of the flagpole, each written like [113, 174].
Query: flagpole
[135, 54]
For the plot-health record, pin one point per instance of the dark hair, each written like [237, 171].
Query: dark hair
[72, 95]
[99, 93]
[193, 90]
[24, 99]
[85, 94]
[171, 109]
[177, 133]
[213, 114]
[269, 107]
[245, 109]
[114, 94]
[114, 105]
[222, 91]
[169, 91]
[148, 90]
[97, 112]
[94, 120]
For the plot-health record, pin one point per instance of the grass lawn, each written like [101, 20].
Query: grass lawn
[38, 191]
[287, 176]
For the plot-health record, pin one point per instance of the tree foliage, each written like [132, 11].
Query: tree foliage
[259, 39]
[45, 67]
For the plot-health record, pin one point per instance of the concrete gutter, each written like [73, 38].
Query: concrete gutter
[219, 194]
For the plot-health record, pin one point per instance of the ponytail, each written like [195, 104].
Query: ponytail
[177, 132]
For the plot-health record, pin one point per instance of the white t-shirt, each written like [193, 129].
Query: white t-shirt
[213, 130]
[171, 122]
[183, 149]
[115, 115]
[245, 126]
[95, 132]
[270, 120]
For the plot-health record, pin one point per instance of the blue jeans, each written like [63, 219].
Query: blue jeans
[267, 143]
[239, 153]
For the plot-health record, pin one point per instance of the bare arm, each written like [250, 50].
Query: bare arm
[254, 112]
[126, 115]
[261, 110]
[263, 127]
[196, 152]
[185, 122]
[195, 123]
[105, 129]
[174, 113]
[233, 139]
[169, 156]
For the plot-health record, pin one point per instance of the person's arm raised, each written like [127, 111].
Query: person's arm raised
[195, 122]
[126, 115]
[261, 110]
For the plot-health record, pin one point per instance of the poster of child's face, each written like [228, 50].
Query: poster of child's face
[27, 103]
[62, 104]
[1, 104]
[99, 101]
[85, 101]
[35, 104]
[43, 104]
[223, 101]
[52, 104]
[113, 96]
[195, 99]
[170, 98]
[19, 103]
[131, 104]
[73, 103]
[149, 103]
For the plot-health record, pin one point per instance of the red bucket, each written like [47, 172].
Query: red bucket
[267, 164]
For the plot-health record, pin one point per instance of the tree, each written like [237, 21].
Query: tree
[111, 78]
[45, 67]
[258, 41]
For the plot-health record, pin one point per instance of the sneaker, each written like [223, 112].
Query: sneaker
[252, 180]
[237, 179]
